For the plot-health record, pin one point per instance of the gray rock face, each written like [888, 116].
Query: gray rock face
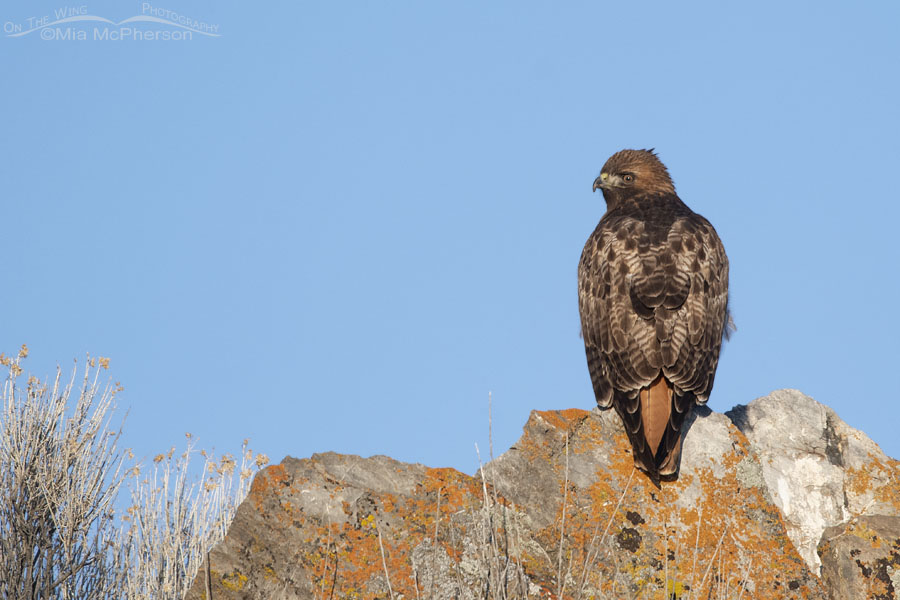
[821, 472]
[564, 514]
[861, 559]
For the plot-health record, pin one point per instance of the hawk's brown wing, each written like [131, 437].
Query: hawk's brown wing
[652, 298]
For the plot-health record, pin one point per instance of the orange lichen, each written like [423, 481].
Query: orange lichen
[620, 524]
[876, 478]
[274, 475]
[726, 538]
[351, 557]
[265, 481]
[565, 420]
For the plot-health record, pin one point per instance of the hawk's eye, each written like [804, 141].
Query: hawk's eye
[628, 178]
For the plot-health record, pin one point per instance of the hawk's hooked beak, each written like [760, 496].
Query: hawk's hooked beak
[601, 182]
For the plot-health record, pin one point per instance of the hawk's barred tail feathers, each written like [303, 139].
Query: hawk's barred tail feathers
[653, 420]
[669, 465]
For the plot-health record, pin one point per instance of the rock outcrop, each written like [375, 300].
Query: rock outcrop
[861, 558]
[821, 471]
[564, 514]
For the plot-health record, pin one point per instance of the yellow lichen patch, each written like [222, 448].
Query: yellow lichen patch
[862, 531]
[234, 581]
[674, 589]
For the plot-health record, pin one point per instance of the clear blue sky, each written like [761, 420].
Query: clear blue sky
[338, 226]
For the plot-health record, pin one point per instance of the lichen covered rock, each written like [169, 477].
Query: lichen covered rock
[821, 471]
[861, 559]
[713, 529]
[564, 513]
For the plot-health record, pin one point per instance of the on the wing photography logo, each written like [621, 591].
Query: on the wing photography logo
[76, 23]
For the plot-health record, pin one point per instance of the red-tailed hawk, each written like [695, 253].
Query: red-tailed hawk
[653, 298]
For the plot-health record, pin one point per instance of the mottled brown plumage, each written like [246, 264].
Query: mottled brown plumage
[653, 295]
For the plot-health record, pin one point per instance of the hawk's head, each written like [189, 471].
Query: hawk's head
[630, 173]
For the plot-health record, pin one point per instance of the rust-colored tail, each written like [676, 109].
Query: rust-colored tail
[654, 419]
[656, 408]
[661, 421]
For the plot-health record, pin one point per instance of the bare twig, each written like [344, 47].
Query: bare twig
[459, 585]
[490, 427]
[334, 576]
[60, 472]
[175, 520]
[745, 578]
[666, 557]
[712, 559]
[387, 576]
[437, 520]
[60, 477]
[329, 546]
[560, 581]
[208, 584]
[696, 544]
[588, 560]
